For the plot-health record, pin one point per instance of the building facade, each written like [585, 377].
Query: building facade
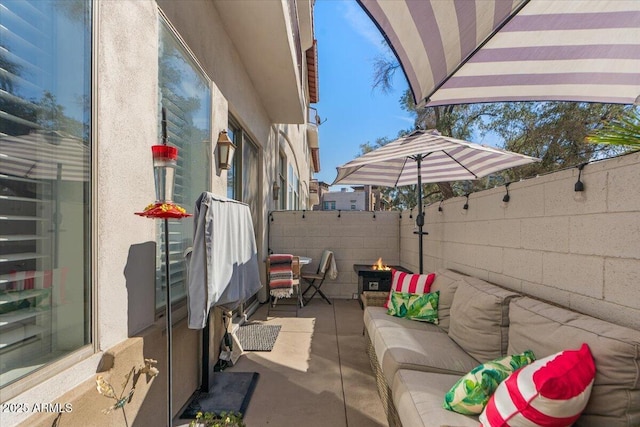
[81, 95]
[361, 198]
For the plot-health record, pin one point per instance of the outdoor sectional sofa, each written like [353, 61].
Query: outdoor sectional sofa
[416, 363]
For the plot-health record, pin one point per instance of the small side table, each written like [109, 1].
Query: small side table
[373, 298]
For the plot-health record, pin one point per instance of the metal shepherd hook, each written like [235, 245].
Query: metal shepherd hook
[168, 293]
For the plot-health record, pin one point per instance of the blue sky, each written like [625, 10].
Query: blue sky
[355, 113]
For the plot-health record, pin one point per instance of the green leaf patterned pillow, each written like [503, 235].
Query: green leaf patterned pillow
[422, 307]
[471, 393]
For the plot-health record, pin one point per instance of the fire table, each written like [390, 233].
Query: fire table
[370, 278]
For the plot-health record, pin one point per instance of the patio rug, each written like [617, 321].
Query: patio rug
[230, 392]
[257, 336]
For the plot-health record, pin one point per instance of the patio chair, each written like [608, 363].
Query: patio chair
[283, 280]
[315, 280]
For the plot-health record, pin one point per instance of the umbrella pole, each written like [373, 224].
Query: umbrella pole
[420, 218]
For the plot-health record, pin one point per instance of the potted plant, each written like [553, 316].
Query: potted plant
[226, 419]
[624, 130]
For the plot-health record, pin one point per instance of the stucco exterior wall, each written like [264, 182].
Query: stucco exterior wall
[126, 119]
[234, 94]
[147, 406]
[199, 24]
[346, 199]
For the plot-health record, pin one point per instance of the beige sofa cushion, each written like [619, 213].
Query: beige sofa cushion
[420, 349]
[446, 282]
[546, 329]
[480, 318]
[418, 397]
[377, 317]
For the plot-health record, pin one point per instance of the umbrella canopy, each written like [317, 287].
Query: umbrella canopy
[442, 158]
[455, 52]
[427, 156]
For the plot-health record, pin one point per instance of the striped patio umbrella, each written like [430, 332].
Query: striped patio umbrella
[427, 157]
[457, 52]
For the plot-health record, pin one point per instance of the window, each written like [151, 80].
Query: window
[246, 165]
[353, 207]
[282, 181]
[185, 93]
[293, 201]
[45, 183]
[235, 135]
[250, 179]
[329, 206]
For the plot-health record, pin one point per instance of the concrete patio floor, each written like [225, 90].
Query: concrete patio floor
[317, 374]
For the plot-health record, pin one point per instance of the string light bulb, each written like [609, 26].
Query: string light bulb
[506, 197]
[579, 186]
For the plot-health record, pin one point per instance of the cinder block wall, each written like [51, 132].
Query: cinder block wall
[354, 237]
[580, 250]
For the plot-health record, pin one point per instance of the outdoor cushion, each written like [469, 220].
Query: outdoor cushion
[376, 318]
[411, 283]
[471, 393]
[419, 307]
[550, 392]
[480, 318]
[418, 398]
[446, 282]
[547, 329]
[423, 350]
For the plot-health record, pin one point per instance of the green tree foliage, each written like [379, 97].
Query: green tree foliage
[623, 130]
[555, 132]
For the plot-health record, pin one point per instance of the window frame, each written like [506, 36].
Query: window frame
[282, 180]
[293, 188]
[240, 137]
[178, 304]
[92, 347]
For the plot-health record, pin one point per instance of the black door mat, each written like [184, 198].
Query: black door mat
[230, 392]
[258, 336]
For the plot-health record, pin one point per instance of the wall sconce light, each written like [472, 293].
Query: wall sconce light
[506, 197]
[440, 206]
[579, 185]
[275, 189]
[226, 148]
[466, 205]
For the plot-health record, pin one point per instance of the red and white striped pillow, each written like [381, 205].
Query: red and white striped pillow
[410, 283]
[550, 392]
